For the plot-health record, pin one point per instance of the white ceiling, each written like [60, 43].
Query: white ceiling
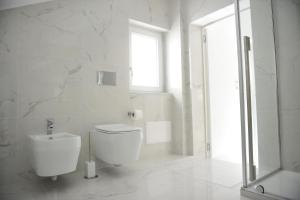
[7, 4]
[217, 15]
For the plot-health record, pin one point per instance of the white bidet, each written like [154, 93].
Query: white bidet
[55, 154]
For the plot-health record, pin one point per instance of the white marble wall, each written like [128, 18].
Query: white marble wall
[197, 91]
[174, 83]
[156, 107]
[49, 55]
[287, 34]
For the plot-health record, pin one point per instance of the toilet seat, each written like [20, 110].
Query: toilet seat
[116, 128]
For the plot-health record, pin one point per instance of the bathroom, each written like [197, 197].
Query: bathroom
[69, 66]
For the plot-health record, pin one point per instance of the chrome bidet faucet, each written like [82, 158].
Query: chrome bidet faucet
[50, 126]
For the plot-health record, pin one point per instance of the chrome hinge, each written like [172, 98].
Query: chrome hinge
[247, 43]
[204, 38]
[208, 147]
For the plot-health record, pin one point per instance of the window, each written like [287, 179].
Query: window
[146, 60]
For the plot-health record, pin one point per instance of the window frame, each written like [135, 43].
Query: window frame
[159, 36]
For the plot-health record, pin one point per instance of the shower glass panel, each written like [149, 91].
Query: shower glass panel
[262, 147]
[270, 163]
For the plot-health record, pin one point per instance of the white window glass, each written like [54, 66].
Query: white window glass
[145, 61]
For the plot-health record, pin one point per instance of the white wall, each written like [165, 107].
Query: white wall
[157, 108]
[287, 34]
[49, 55]
[174, 74]
[197, 91]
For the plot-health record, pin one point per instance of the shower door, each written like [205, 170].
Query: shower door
[271, 164]
[261, 147]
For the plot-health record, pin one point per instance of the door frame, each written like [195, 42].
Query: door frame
[208, 139]
[206, 94]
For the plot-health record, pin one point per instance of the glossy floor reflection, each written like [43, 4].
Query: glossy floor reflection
[282, 184]
[177, 178]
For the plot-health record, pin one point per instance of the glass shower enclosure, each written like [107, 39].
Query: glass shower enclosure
[262, 45]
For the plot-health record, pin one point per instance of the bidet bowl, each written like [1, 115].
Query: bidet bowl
[55, 154]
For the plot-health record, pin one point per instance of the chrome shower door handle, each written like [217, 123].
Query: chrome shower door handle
[252, 167]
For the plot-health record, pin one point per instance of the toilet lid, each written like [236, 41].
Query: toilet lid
[116, 128]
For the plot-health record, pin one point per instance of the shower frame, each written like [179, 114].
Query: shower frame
[243, 105]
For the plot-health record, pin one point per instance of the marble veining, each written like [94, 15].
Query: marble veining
[48, 10]
[4, 142]
[149, 10]
[44, 23]
[98, 25]
[8, 100]
[296, 166]
[49, 55]
[32, 105]
[89, 57]
[75, 70]
[3, 45]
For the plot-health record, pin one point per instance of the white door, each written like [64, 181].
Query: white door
[223, 90]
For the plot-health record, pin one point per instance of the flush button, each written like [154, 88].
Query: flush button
[106, 78]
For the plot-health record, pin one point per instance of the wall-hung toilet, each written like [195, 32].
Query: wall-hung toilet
[117, 144]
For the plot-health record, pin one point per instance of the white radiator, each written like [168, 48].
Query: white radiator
[158, 132]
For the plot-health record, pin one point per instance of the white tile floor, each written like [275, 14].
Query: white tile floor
[186, 178]
[283, 184]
